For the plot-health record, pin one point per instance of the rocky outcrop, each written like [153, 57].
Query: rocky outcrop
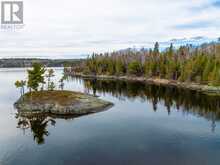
[60, 103]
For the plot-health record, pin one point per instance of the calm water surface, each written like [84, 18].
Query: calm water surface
[147, 125]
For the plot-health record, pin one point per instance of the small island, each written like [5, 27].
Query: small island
[60, 103]
[51, 101]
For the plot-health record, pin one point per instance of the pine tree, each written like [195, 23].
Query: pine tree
[171, 51]
[156, 49]
[119, 67]
[215, 75]
[20, 84]
[207, 70]
[135, 68]
[35, 76]
[49, 75]
[51, 86]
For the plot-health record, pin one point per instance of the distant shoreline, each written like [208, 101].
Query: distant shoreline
[27, 62]
[205, 89]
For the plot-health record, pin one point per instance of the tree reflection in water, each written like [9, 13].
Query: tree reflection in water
[38, 125]
[171, 97]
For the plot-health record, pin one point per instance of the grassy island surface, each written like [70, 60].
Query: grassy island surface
[58, 97]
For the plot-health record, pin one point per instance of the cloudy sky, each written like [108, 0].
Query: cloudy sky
[72, 28]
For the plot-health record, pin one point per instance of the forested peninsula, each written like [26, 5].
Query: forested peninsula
[193, 67]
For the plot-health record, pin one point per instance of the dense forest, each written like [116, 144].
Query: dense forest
[199, 64]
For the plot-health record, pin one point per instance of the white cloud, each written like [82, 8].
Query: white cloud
[72, 27]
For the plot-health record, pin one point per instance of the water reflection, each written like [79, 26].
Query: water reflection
[131, 127]
[38, 124]
[186, 101]
[172, 98]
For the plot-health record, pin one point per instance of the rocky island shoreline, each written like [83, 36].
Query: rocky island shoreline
[60, 103]
[47, 97]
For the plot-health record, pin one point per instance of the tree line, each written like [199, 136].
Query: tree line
[28, 62]
[187, 63]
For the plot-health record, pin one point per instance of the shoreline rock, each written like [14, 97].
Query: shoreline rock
[205, 89]
[60, 103]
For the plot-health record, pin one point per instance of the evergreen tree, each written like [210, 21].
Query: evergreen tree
[51, 86]
[135, 68]
[35, 76]
[187, 63]
[215, 75]
[120, 69]
[20, 84]
[207, 70]
[156, 48]
[171, 51]
[49, 75]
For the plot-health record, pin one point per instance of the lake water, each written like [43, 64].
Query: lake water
[147, 125]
